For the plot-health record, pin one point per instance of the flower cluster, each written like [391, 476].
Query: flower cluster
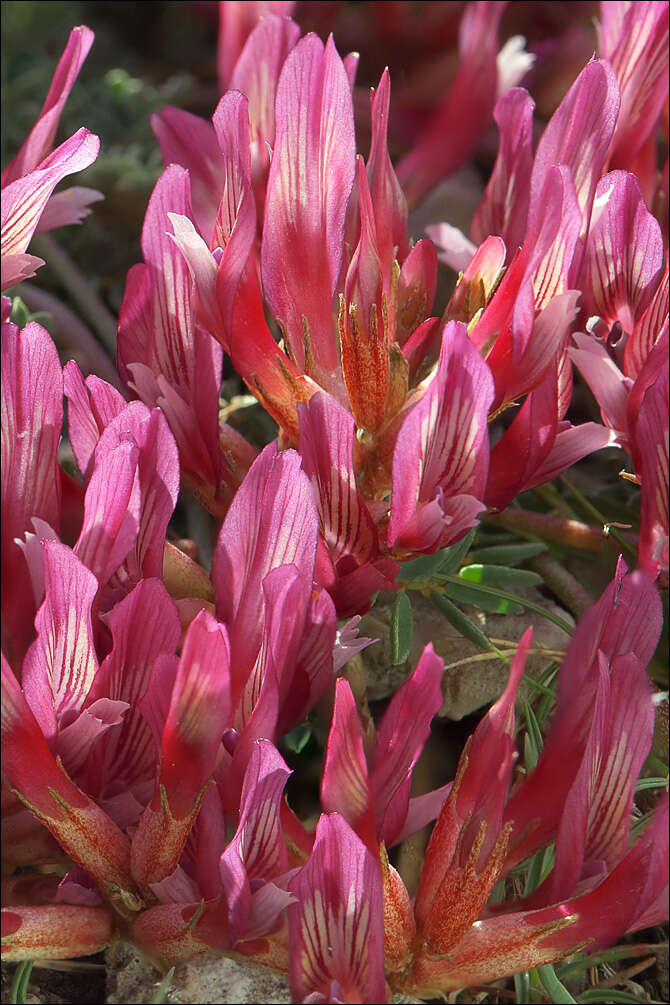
[145, 696]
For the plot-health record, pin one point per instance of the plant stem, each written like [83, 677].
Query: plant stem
[84, 296]
[562, 584]
[550, 528]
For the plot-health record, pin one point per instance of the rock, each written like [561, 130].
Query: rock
[472, 678]
[132, 978]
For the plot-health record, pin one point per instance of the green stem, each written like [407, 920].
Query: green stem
[516, 599]
[608, 529]
[84, 296]
[550, 528]
[562, 584]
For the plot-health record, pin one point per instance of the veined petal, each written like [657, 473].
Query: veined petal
[23, 200]
[337, 925]
[257, 71]
[441, 453]
[466, 849]
[236, 24]
[32, 417]
[198, 714]
[650, 453]
[400, 738]
[610, 387]
[503, 209]
[272, 521]
[625, 621]
[60, 666]
[92, 404]
[257, 851]
[311, 176]
[648, 330]
[624, 252]
[578, 136]
[37, 145]
[635, 41]
[86, 833]
[388, 199]
[190, 141]
[345, 787]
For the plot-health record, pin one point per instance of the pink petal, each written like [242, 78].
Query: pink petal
[624, 252]
[271, 522]
[577, 136]
[39, 142]
[401, 736]
[345, 786]
[24, 200]
[440, 459]
[32, 417]
[92, 404]
[60, 666]
[70, 206]
[337, 925]
[503, 209]
[314, 142]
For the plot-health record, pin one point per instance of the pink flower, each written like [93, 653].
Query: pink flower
[30, 178]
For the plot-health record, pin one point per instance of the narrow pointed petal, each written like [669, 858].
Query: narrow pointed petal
[257, 71]
[388, 199]
[625, 621]
[337, 925]
[39, 142]
[578, 136]
[467, 846]
[345, 786]
[650, 454]
[647, 331]
[610, 387]
[635, 41]
[503, 209]
[197, 716]
[400, 739]
[314, 142]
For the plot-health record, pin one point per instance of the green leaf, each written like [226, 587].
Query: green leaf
[466, 594]
[522, 986]
[550, 982]
[650, 783]
[20, 315]
[492, 591]
[508, 554]
[533, 738]
[17, 994]
[463, 624]
[445, 561]
[499, 575]
[401, 628]
[160, 994]
[297, 739]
